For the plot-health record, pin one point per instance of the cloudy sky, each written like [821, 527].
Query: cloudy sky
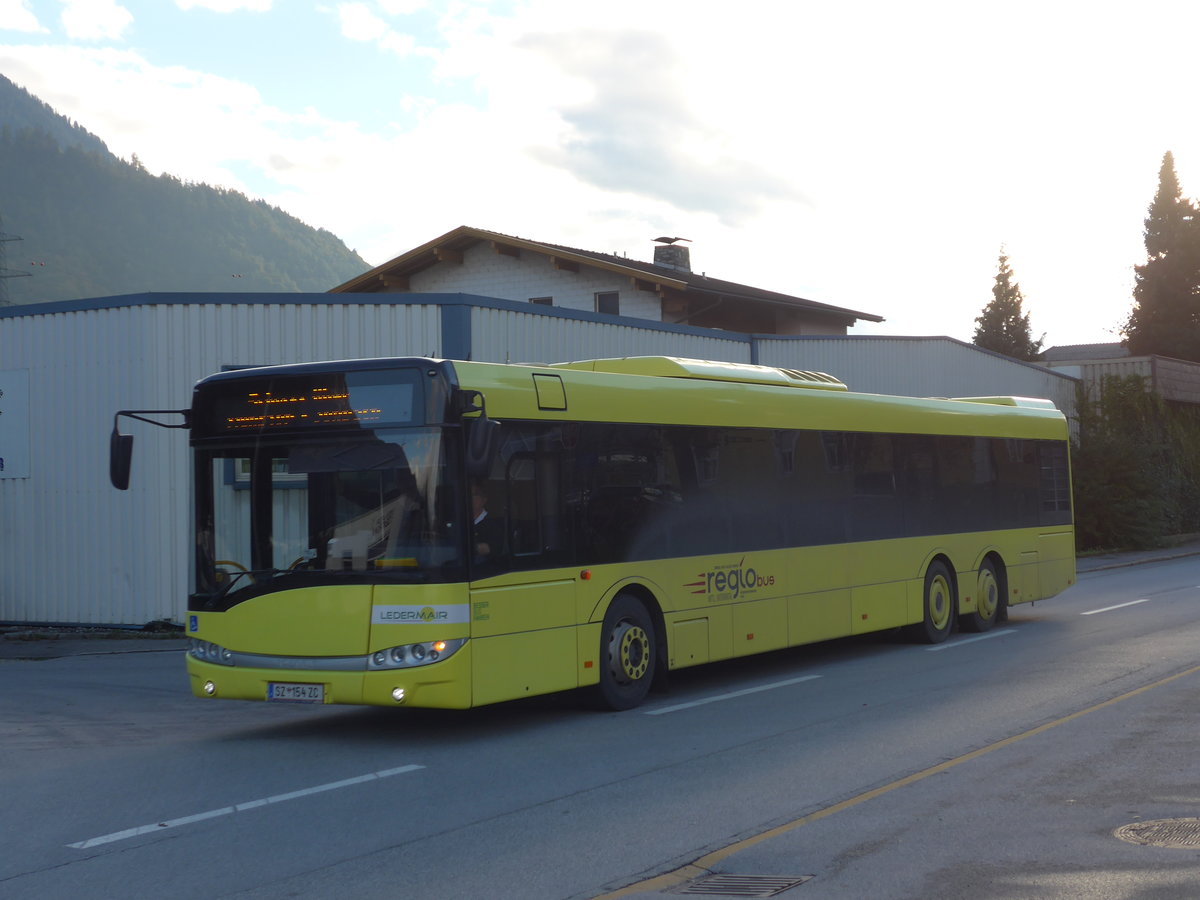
[873, 155]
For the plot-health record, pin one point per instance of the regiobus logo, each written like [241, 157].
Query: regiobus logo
[729, 582]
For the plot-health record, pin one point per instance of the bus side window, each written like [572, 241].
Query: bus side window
[520, 481]
[817, 498]
[529, 488]
[633, 495]
[1055, 483]
[876, 510]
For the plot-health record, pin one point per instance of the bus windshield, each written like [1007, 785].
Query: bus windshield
[284, 512]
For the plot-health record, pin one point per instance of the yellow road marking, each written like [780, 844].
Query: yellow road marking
[703, 865]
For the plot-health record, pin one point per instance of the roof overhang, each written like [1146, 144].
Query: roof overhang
[450, 247]
[396, 274]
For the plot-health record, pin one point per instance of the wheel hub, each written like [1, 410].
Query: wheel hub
[939, 603]
[629, 652]
[989, 599]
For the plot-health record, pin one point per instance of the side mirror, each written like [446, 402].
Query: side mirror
[483, 434]
[120, 458]
[120, 446]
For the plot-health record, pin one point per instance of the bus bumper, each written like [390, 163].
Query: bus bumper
[445, 684]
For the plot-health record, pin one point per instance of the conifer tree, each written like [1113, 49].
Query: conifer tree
[1165, 319]
[1003, 326]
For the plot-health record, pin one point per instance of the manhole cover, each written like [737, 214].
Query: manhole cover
[1182, 834]
[741, 885]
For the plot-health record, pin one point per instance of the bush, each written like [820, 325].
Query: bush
[1136, 468]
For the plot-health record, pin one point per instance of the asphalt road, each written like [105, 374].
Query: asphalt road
[993, 768]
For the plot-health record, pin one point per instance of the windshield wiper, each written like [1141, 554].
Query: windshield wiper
[232, 578]
[261, 578]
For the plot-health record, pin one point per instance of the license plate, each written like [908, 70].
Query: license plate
[295, 693]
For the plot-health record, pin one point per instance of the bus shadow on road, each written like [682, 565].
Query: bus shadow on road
[416, 728]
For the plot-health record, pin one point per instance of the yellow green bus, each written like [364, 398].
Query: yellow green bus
[436, 533]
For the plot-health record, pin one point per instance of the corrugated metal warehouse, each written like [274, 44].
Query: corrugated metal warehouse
[74, 550]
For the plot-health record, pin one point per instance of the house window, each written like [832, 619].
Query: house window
[608, 302]
[542, 301]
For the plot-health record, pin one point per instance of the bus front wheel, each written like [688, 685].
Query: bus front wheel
[627, 654]
[939, 604]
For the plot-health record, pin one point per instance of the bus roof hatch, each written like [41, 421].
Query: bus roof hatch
[709, 370]
[1019, 402]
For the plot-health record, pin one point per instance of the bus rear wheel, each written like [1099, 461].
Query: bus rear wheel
[939, 605]
[627, 654]
[987, 601]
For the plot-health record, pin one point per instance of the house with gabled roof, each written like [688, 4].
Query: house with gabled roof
[474, 261]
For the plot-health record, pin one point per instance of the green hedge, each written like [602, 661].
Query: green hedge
[1136, 468]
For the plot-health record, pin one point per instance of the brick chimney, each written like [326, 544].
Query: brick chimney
[671, 255]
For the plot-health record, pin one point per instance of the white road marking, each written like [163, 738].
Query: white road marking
[982, 637]
[754, 690]
[1092, 612]
[240, 807]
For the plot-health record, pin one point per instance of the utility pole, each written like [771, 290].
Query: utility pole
[5, 272]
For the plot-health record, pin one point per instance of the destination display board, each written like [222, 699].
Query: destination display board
[320, 400]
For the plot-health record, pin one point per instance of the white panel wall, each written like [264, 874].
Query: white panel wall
[1094, 373]
[920, 367]
[503, 336]
[73, 549]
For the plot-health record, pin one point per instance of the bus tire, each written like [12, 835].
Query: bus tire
[628, 653]
[939, 604]
[988, 598]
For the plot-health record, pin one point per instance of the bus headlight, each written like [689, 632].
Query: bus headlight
[206, 651]
[407, 656]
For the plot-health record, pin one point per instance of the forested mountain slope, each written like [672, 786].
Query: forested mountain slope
[93, 225]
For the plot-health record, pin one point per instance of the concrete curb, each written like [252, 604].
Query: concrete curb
[1101, 563]
[42, 643]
